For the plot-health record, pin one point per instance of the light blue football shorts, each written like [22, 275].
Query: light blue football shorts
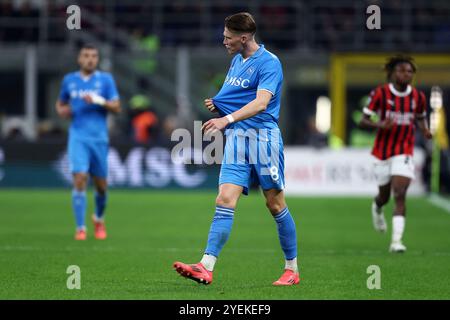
[253, 156]
[88, 157]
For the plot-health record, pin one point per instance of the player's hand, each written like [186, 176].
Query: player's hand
[214, 125]
[210, 105]
[386, 124]
[94, 99]
[64, 112]
[427, 134]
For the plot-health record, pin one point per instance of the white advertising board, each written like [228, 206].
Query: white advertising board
[310, 171]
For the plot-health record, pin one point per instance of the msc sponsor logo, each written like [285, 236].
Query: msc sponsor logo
[82, 93]
[141, 167]
[237, 82]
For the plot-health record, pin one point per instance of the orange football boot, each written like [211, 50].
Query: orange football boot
[99, 229]
[288, 278]
[196, 272]
[80, 234]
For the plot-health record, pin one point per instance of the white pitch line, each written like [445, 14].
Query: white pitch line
[440, 202]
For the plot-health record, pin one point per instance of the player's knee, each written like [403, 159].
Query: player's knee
[101, 189]
[80, 186]
[399, 193]
[383, 199]
[225, 200]
[275, 206]
[101, 192]
[80, 182]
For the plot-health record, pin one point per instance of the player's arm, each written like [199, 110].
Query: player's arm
[259, 104]
[421, 117]
[113, 106]
[371, 110]
[110, 105]
[367, 123]
[110, 101]
[423, 127]
[62, 105]
[63, 109]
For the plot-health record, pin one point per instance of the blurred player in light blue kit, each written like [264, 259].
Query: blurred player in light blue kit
[86, 97]
[249, 103]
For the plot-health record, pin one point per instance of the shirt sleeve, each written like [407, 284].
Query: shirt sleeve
[374, 104]
[271, 76]
[64, 93]
[111, 92]
[421, 110]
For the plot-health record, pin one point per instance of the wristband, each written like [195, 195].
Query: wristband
[230, 118]
[96, 99]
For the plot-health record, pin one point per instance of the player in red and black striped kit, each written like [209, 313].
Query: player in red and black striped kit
[399, 106]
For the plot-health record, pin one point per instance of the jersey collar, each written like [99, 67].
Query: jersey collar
[256, 54]
[86, 79]
[399, 93]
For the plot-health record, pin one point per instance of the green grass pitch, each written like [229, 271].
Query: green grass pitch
[149, 230]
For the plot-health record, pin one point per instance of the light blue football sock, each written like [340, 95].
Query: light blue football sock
[100, 204]
[287, 233]
[220, 230]
[79, 207]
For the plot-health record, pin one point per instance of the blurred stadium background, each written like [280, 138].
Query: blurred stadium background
[167, 56]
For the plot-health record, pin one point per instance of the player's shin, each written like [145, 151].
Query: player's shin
[79, 207]
[218, 235]
[288, 238]
[100, 205]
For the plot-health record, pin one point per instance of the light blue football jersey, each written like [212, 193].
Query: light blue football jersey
[88, 120]
[261, 71]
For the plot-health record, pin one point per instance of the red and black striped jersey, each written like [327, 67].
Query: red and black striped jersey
[402, 108]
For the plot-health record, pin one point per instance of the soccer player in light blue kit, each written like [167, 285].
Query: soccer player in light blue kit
[86, 97]
[249, 103]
